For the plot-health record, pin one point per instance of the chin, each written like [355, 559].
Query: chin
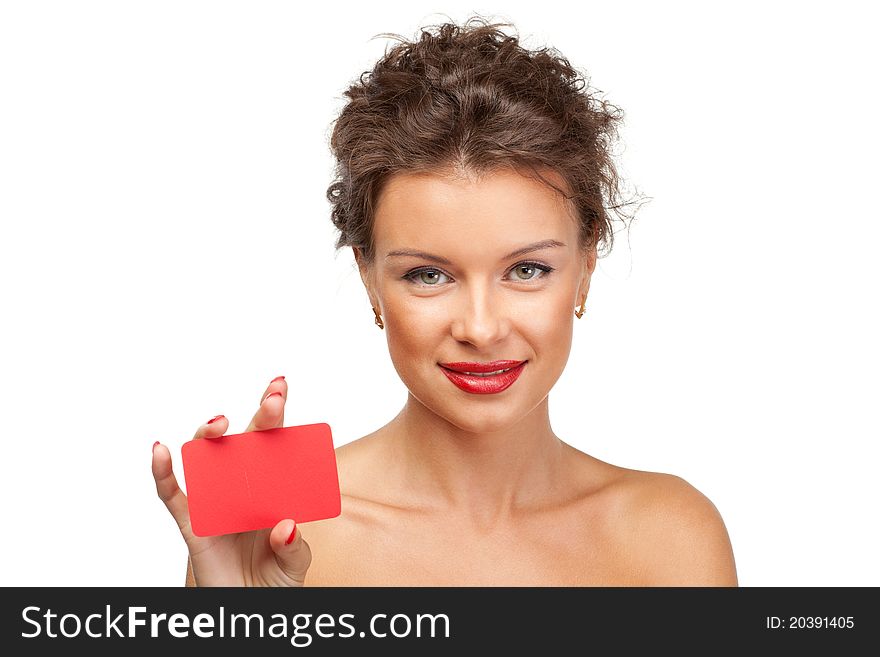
[474, 413]
[480, 417]
[484, 423]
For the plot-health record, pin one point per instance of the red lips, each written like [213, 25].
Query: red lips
[484, 385]
[482, 368]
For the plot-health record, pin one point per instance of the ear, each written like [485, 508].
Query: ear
[366, 273]
[590, 257]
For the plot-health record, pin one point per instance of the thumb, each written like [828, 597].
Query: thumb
[291, 551]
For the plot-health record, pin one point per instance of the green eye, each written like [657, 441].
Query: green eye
[533, 270]
[523, 271]
[527, 268]
[427, 277]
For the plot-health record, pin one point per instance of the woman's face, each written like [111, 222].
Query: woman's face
[467, 297]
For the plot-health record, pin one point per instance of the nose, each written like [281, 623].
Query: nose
[479, 316]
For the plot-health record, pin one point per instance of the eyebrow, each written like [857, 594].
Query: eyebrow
[537, 246]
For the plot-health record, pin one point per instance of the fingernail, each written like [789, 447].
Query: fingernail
[214, 419]
[154, 445]
[277, 378]
[291, 537]
[272, 394]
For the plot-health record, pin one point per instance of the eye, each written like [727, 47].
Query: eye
[428, 277]
[523, 271]
[531, 269]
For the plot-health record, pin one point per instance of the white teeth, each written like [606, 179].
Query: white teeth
[487, 373]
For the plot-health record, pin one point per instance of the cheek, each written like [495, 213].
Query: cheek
[415, 328]
[550, 331]
[412, 328]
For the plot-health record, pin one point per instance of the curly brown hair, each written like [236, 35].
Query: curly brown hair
[465, 100]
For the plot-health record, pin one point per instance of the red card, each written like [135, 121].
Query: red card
[253, 480]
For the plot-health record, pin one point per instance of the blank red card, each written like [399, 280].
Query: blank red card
[253, 480]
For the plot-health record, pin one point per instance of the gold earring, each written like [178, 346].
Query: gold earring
[580, 313]
[379, 322]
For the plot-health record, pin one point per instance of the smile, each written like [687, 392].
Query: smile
[484, 383]
[488, 373]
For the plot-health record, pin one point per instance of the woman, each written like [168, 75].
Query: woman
[474, 179]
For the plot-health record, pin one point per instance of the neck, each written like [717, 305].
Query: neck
[488, 476]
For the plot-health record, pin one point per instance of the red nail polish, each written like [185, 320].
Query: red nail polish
[272, 394]
[277, 378]
[154, 445]
[291, 537]
[214, 419]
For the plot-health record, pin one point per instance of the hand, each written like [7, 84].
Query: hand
[257, 558]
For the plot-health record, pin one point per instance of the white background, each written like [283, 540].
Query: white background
[166, 250]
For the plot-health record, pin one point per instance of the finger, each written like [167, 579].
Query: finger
[169, 491]
[213, 428]
[291, 552]
[270, 414]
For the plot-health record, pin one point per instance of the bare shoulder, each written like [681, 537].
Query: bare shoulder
[678, 536]
[332, 541]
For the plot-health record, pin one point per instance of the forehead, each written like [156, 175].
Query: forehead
[499, 210]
